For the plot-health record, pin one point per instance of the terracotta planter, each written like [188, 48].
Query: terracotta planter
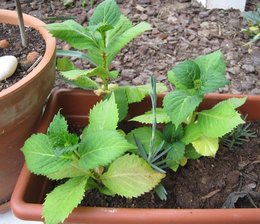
[30, 189]
[21, 106]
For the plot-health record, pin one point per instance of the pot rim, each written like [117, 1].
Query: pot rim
[10, 17]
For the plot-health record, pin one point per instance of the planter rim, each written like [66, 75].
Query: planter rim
[136, 215]
[10, 17]
[209, 95]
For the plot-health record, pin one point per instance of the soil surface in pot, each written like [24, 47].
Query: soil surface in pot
[202, 183]
[26, 56]
[181, 29]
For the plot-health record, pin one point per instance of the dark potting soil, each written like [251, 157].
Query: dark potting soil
[202, 183]
[35, 44]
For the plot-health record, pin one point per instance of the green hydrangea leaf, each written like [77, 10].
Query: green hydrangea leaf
[103, 116]
[206, 146]
[106, 12]
[144, 134]
[71, 53]
[147, 117]
[80, 78]
[174, 166]
[70, 170]
[131, 176]
[63, 199]
[136, 94]
[213, 70]
[64, 64]
[219, 120]
[120, 27]
[120, 41]
[57, 126]
[191, 133]
[101, 147]
[191, 153]
[171, 134]
[176, 154]
[113, 74]
[185, 74]
[75, 74]
[59, 135]
[234, 102]
[84, 82]
[73, 33]
[121, 102]
[40, 157]
[180, 104]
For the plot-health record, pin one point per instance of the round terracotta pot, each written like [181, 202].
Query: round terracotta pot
[21, 106]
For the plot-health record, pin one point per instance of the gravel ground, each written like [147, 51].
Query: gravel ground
[181, 29]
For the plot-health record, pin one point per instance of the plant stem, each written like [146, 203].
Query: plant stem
[21, 24]
[104, 62]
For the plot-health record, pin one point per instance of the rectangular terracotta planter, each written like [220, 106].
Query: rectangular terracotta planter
[30, 189]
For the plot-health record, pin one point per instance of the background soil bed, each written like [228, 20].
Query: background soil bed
[181, 29]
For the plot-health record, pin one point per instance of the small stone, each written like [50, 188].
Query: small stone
[8, 65]
[161, 78]
[82, 17]
[155, 31]
[144, 1]
[256, 91]
[246, 85]
[66, 47]
[140, 8]
[32, 56]
[4, 44]
[172, 20]
[234, 91]
[234, 70]
[137, 81]
[143, 17]
[143, 49]
[191, 38]
[125, 11]
[124, 83]
[161, 66]
[248, 68]
[204, 33]
[204, 14]
[163, 36]
[128, 73]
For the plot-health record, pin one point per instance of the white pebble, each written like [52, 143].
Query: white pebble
[8, 65]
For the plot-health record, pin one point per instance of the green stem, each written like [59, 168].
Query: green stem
[76, 154]
[104, 61]
[87, 172]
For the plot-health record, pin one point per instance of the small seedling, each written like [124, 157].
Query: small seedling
[107, 33]
[191, 133]
[239, 136]
[253, 20]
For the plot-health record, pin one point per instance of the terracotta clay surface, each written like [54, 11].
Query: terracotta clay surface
[30, 189]
[21, 107]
